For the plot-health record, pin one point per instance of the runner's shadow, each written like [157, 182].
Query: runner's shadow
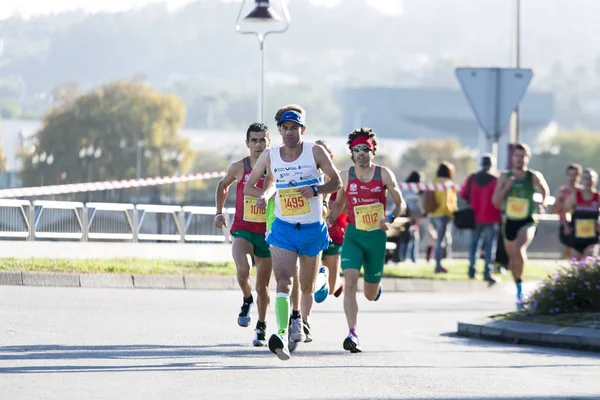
[214, 366]
[140, 352]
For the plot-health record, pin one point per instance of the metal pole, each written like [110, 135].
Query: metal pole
[261, 92]
[516, 60]
[138, 159]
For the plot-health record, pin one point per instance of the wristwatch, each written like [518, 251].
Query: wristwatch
[391, 218]
[315, 189]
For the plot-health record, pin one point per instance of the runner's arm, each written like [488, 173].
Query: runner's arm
[569, 205]
[269, 187]
[391, 185]
[222, 191]
[326, 165]
[540, 183]
[500, 191]
[262, 164]
[558, 202]
[340, 203]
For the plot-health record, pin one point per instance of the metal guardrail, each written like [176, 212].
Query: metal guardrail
[107, 221]
[64, 220]
[14, 218]
[58, 220]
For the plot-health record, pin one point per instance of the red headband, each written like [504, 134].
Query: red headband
[362, 140]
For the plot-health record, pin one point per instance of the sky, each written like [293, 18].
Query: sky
[27, 8]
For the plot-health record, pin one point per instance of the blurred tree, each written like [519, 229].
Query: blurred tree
[10, 109]
[579, 146]
[2, 159]
[115, 118]
[428, 154]
[65, 94]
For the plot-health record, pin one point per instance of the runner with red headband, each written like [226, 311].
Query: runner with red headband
[364, 192]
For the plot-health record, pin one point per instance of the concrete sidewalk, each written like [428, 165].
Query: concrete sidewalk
[584, 338]
[209, 252]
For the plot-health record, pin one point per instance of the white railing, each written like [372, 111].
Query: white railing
[59, 220]
[110, 221]
[65, 220]
[14, 218]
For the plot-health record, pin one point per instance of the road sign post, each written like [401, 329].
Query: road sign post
[493, 94]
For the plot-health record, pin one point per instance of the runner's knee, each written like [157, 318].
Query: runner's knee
[371, 292]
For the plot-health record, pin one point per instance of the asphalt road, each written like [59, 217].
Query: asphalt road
[75, 343]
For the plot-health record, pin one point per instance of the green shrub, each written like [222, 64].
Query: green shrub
[573, 288]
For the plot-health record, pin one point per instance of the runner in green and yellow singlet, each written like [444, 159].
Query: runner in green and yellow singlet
[514, 194]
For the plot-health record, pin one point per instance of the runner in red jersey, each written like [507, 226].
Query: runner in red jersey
[248, 231]
[331, 256]
[364, 192]
[584, 209]
[559, 207]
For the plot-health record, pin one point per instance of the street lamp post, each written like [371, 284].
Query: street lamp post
[139, 146]
[174, 158]
[262, 14]
[516, 61]
[41, 161]
[88, 155]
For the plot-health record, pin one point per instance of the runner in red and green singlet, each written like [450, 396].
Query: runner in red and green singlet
[364, 192]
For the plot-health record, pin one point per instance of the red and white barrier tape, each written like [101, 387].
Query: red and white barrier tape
[159, 180]
[428, 186]
[106, 185]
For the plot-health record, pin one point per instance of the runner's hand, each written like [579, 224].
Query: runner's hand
[329, 222]
[261, 203]
[220, 221]
[307, 192]
[509, 182]
[384, 224]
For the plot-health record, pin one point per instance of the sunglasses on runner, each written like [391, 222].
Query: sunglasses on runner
[361, 149]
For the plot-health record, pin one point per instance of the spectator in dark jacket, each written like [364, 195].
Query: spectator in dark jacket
[477, 191]
[409, 245]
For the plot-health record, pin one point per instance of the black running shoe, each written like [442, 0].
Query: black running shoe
[278, 344]
[351, 344]
[260, 336]
[306, 327]
[244, 316]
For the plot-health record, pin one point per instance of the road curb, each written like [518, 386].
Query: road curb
[106, 280]
[532, 333]
[50, 279]
[208, 282]
[158, 281]
[11, 278]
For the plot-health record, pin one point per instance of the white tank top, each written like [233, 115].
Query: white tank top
[290, 205]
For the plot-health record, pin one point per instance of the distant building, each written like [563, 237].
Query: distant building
[16, 134]
[432, 113]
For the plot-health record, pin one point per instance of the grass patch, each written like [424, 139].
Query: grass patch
[457, 269]
[117, 266]
[570, 319]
